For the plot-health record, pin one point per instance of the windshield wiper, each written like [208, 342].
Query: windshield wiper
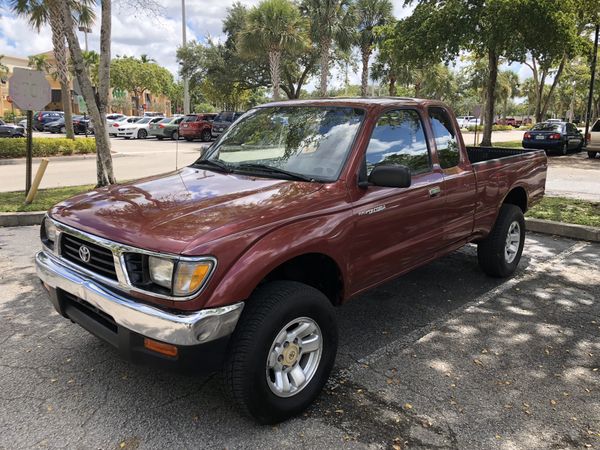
[273, 170]
[213, 163]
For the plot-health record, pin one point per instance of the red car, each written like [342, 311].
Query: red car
[197, 126]
[238, 261]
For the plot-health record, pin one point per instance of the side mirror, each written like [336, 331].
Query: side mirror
[390, 176]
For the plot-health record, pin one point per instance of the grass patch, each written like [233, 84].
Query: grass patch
[508, 144]
[44, 200]
[567, 210]
[42, 147]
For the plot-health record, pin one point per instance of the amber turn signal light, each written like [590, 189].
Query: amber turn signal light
[160, 347]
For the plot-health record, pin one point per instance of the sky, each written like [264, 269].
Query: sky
[137, 30]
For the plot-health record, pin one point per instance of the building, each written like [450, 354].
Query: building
[119, 101]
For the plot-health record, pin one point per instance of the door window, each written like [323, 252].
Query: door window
[398, 138]
[445, 138]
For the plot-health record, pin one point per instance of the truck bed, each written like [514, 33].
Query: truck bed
[481, 154]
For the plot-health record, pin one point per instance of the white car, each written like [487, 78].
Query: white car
[138, 129]
[464, 120]
[472, 122]
[126, 120]
[112, 118]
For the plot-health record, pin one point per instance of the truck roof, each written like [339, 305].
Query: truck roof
[355, 101]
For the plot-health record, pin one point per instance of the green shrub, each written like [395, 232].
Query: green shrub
[17, 147]
[494, 128]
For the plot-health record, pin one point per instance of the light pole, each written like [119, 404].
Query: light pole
[85, 31]
[186, 87]
[592, 81]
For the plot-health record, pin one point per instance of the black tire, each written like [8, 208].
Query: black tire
[592, 155]
[175, 135]
[564, 150]
[206, 136]
[142, 134]
[491, 251]
[160, 138]
[265, 315]
[189, 139]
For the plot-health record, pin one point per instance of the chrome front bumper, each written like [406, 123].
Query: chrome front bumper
[178, 329]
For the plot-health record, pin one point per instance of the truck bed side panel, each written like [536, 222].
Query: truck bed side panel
[498, 176]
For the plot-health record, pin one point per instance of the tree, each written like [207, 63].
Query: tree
[42, 12]
[369, 15]
[490, 29]
[331, 22]
[97, 102]
[273, 27]
[136, 77]
[40, 63]
[507, 88]
[3, 69]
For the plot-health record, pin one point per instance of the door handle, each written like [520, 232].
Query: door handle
[435, 191]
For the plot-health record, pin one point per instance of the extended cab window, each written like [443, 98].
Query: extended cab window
[445, 138]
[596, 126]
[398, 138]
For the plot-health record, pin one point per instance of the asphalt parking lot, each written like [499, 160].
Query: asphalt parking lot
[444, 357]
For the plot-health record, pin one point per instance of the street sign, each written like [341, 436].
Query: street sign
[29, 89]
[82, 105]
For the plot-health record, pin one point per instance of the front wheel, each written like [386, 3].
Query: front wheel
[175, 135]
[142, 134]
[282, 351]
[206, 136]
[592, 155]
[564, 150]
[500, 252]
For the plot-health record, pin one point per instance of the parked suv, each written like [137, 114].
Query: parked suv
[196, 126]
[41, 118]
[222, 122]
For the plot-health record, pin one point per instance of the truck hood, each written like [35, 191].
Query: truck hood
[190, 206]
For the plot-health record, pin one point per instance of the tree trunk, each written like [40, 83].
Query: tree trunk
[486, 140]
[324, 57]
[274, 66]
[364, 82]
[559, 72]
[392, 86]
[62, 68]
[105, 175]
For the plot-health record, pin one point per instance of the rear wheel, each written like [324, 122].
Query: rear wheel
[500, 252]
[142, 134]
[592, 155]
[175, 135]
[205, 136]
[282, 351]
[565, 149]
[63, 129]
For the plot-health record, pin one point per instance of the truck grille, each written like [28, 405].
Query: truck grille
[100, 258]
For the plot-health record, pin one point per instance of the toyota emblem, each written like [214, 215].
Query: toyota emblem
[84, 254]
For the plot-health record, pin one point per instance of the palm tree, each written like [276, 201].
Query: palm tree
[40, 62]
[331, 21]
[3, 69]
[146, 59]
[42, 12]
[273, 27]
[91, 59]
[369, 14]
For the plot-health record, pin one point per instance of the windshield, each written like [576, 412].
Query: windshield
[547, 127]
[144, 120]
[309, 141]
[167, 120]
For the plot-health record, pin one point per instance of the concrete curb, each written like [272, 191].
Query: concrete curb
[17, 161]
[567, 230]
[21, 219]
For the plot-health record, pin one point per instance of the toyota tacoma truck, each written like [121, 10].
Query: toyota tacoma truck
[236, 262]
[593, 140]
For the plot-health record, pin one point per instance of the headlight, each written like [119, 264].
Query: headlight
[161, 271]
[183, 278]
[48, 233]
[190, 276]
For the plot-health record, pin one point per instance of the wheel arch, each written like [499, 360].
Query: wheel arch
[517, 196]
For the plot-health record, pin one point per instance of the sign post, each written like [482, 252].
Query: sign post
[30, 91]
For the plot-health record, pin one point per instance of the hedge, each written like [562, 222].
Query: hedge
[494, 128]
[16, 147]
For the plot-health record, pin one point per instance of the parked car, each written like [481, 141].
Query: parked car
[473, 122]
[558, 137]
[114, 118]
[166, 128]
[23, 124]
[223, 121]
[464, 120]
[126, 120]
[153, 114]
[137, 129]
[81, 125]
[508, 121]
[593, 140]
[237, 261]
[57, 126]
[11, 130]
[41, 118]
[197, 126]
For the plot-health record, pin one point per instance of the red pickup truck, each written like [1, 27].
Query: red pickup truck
[237, 261]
